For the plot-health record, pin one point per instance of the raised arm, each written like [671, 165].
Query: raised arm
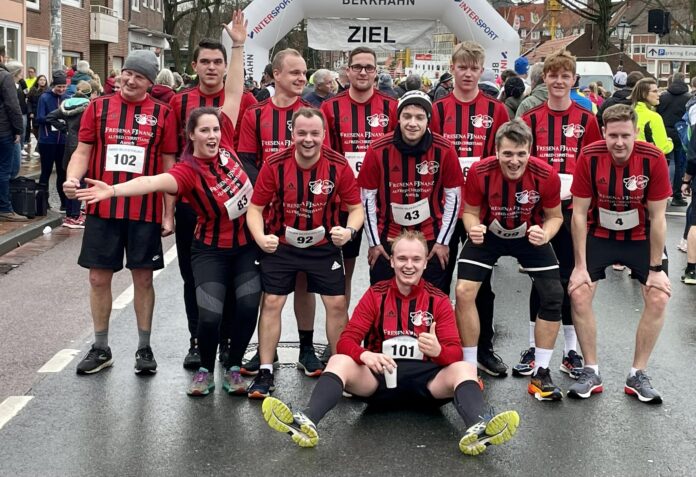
[234, 84]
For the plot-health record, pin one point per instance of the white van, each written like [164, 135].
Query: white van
[593, 71]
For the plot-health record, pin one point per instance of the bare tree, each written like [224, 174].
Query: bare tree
[599, 13]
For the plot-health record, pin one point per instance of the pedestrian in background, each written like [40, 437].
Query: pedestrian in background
[16, 69]
[672, 107]
[164, 86]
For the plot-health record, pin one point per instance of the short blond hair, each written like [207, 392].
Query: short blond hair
[278, 58]
[411, 235]
[619, 113]
[469, 52]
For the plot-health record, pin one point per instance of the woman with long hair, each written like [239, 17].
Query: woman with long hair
[223, 255]
[35, 92]
[645, 98]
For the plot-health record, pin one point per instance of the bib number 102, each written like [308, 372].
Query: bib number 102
[403, 351]
[124, 159]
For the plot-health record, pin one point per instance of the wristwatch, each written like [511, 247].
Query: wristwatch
[352, 233]
[656, 268]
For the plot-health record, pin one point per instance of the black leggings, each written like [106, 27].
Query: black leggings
[228, 282]
[185, 218]
[52, 154]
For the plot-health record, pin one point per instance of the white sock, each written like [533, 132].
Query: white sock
[634, 371]
[542, 358]
[267, 366]
[532, 327]
[593, 367]
[470, 354]
[571, 339]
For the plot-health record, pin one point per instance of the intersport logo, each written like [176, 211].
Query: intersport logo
[265, 21]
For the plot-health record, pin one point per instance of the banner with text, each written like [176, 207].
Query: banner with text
[346, 34]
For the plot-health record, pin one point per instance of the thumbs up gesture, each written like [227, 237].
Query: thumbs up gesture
[429, 344]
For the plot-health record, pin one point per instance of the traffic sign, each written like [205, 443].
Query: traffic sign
[671, 52]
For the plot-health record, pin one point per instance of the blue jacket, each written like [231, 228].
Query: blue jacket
[48, 102]
[582, 100]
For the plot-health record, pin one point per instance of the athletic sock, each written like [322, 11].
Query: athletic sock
[542, 358]
[306, 338]
[143, 338]
[634, 371]
[690, 267]
[593, 367]
[267, 366]
[571, 339]
[469, 403]
[101, 339]
[326, 394]
[471, 354]
[532, 329]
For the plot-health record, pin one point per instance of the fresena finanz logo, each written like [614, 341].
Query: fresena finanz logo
[265, 21]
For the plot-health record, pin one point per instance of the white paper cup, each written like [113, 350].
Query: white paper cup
[390, 378]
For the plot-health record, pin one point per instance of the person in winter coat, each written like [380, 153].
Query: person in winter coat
[37, 89]
[645, 98]
[672, 107]
[624, 85]
[163, 88]
[539, 94]
[52, 141]
[513, 91]
[16, 69]
[444, 87]
[66, 119]
[82, 73]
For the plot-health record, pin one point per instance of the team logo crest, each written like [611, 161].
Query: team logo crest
[573, 130]
[289, 123]
[636, 182]
[427, 167]
[145, 119]
[482, 121]
[378, 120]
[527, 197]
[421, 318]
[321, 187]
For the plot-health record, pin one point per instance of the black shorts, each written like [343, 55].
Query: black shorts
[352, 248]
[105, 240]
[476, 261]
[433, 273]
[412, 378]
[635, 254]
[323, 265]
[562, 244]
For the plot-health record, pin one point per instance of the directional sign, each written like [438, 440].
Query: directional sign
[671, 52]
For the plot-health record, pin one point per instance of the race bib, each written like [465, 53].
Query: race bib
[566, 182]
[465, 163]
[122, 158]
[499, 231]
[355, 160]
[304, 238]
[237, 205]
[612, 220]
[411, 214]
[402, 347]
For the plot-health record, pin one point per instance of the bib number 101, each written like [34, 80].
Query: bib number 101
[124, 159]
[403, 351]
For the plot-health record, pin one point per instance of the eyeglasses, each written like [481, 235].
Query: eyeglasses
[367, 68]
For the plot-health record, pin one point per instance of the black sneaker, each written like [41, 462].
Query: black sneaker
[526, 365]
[309, 362]
[689, 277]
[224, 351]
[96, 360]
[192, 360]
[145, 361]
[541, 386]
[679, 202]
[491, 363]
[262, 386]
[572, 364]
[326, 354]
[251, 366]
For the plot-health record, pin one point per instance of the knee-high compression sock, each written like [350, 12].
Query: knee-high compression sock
[325, 396]
[469, 403]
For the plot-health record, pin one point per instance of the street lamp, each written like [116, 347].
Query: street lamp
[623, 30]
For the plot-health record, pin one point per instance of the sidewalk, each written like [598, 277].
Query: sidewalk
[15, 234]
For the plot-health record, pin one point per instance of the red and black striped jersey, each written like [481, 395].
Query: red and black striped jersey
[266, 128]
[620, 192]
[410, 190]
[304, 199]
[219, 191]
[471, 126]
[128, 140]
[560, 135]
[512, 203]
[384, 312]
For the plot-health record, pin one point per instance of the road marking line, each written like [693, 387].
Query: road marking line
[11, 406]
[61, 359]
[676, 214]
[124, 299]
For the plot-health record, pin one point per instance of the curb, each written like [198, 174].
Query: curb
[29, 232]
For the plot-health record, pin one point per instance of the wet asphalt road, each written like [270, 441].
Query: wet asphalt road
[116, 423]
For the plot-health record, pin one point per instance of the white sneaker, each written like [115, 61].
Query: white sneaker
[682, 245]
[24, 153]
[35, 154]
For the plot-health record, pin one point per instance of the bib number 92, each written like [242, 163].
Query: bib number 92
[305, 240]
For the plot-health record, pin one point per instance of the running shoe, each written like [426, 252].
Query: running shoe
[618, 267]
[145, 361]
[541, 386]
[679, 202]
[96, 360]
[309, 363]
[689, 277]
[280, 418]
[491, 430]
[572, 364]
[251, 366]
[233, 382]
[682, 247]
[326, 354]
[192, 360]
[641, 387]
[491, 363]
[589, 383]
[224, 351]
[201, 384]
[73, 223]
[526, 365]
[262, 386]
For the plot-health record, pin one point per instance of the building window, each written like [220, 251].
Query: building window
[117, 64]
[135, 5]
[33, 5]
[118, 8]
[636, 49]
[642, 49]
[70, 58]
[535, 35]
[523, 32]
[146, 3]
[665, 68]
[10, 37]
[72, 3]
[521, 18]
[651, 67]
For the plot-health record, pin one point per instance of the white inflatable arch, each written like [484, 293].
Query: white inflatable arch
[477, 20]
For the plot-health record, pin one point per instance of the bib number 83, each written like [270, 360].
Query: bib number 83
[124, 159]
[243, 202]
